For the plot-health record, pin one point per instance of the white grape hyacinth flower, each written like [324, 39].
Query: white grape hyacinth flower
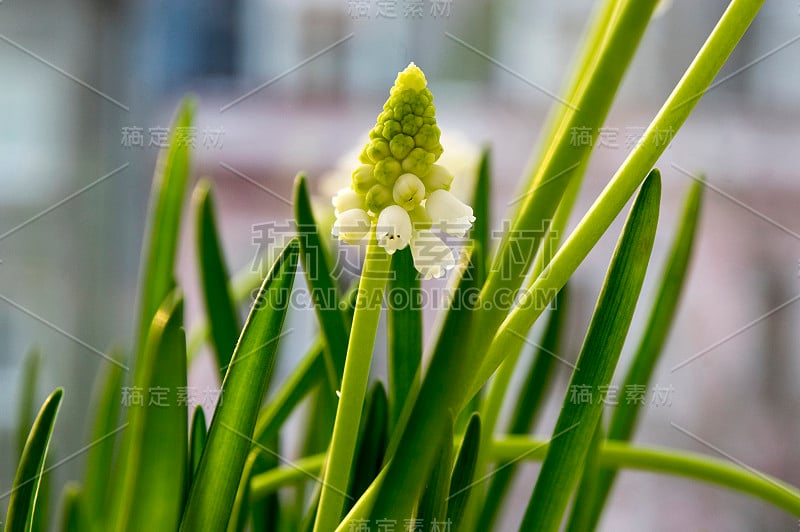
[398, 190]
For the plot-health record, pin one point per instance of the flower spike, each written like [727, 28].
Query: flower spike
[399, 189]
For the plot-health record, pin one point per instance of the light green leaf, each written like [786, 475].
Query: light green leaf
[596, 363]
[25, 489]
[73, 518]
[27, 399]
[372, 443]
[230, 436]
[166, 207]
[154, 476]
[481, 207]
[221, 311]
[107, 396]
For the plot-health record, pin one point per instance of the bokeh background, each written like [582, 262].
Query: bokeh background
[89, 88]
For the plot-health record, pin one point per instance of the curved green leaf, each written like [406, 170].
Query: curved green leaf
[154, 476]
[461, 483]
[231, 433]
[220, 309]
[25, 488]
[596, 363]
[197, 440]
[320, 281]
[166, 207]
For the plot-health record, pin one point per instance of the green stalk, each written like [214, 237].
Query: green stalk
[673, 114]
[611, 454]
[354, 386]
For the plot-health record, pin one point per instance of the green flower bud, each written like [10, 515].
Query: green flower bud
[408, 191]
[378, 150]
[401, 145]
[378, 197]
[387, 171]
[362, 179]
[418, 162]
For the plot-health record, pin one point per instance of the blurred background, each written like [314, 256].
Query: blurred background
[89, 92]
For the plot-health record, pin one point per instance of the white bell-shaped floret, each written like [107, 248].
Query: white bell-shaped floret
[448, 213]
[432, 257]
[347, 199]
[351, 225]
[393, 230]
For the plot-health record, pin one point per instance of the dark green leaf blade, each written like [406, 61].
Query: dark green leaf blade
[25, 489]
[320, 281]
[230, 436]
[404, 317]
[154, 475]
[372, 444]
[219, 305]
[461, 482]
[662, 315]
[433, 503]
[528, 406]
[481, 207]
[596, 363]
[197, 440]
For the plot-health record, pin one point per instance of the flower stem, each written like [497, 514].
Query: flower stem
[371, 288]
[611, 454]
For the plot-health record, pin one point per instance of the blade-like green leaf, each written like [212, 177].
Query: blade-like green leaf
[230, 436]
[100, 456]
[219, 304]
[596, 363]
[308, 373]
[528, 406]
[623, 420]
[197, 440]
[481, 207]
[405, 330]
[372, 444]
[27, 399]
[433, 503]
[154, 476]
[320, 281]
[461, 482]
[25, 489]
[580, 515]
[73, 518]
[411, 463]
[166, 207]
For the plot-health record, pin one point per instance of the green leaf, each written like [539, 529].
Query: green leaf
[300, 382]
[410, 450]
[372, 443]
[30, 376]
[662, 315]
[230, 437]
[166, 207]
[404, 315]
[580, 517]
[481, 208]
[103, 434]
[528, 406]
[154, 476]
[320, 281]
[433, 503]
[462, 482]
[197, 441]
[596, 363]
[219, 306]
[73, 518]
[25, 488]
